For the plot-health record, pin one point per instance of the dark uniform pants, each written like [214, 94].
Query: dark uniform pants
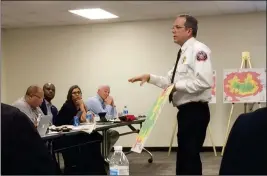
[193, 119]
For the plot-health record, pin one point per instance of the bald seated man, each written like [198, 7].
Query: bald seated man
[102, 102]
[30, 102]
[47, 107]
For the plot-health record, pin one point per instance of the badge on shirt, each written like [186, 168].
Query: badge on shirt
[202, 56]
[184, 59]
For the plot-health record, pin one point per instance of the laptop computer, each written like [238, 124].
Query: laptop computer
[43, 125]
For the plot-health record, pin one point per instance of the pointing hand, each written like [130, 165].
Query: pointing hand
[143, 78]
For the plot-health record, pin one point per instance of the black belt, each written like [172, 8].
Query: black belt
[192, 102]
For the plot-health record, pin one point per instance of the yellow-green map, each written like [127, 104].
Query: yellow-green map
[151, 119]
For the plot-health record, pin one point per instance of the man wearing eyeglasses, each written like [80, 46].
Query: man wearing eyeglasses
[30, 102]
[192, 79]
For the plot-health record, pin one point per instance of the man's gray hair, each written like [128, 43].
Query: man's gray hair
[103, 86]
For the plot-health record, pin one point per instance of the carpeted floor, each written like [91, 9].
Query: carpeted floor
[165, 165]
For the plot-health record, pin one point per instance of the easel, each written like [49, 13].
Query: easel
[244, 64]
[173, 133]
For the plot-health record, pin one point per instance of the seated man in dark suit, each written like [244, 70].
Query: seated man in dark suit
[246, 148]
[47, 107]
[23, 152]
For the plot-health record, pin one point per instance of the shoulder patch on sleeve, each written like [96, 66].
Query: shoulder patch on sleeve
[202, 56]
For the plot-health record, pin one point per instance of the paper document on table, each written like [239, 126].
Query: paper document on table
[151, 119]
[88, 128]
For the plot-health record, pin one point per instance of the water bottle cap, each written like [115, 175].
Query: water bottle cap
[118, 148]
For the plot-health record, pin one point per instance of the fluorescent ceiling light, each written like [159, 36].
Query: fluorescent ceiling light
[94, 14]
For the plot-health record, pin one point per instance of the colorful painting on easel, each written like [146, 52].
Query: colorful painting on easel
[244, 85]
[213, 88]
[151, 119]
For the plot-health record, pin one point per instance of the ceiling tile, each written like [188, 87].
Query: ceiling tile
[39, 13]
[260, 5]
[146, 2]
[236, 6]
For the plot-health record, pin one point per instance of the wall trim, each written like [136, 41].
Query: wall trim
[174, 149]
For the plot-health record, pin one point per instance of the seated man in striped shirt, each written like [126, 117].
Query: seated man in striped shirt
[102, 102]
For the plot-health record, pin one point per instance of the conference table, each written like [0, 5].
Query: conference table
[102, 127]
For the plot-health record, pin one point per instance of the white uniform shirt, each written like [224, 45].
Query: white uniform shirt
[193, 77]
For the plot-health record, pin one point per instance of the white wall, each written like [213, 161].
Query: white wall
[91, 55]
[3, 73]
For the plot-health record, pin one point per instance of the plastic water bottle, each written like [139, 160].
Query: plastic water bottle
[89, 117]
[119, 164]
[125, 111]
[76, 121]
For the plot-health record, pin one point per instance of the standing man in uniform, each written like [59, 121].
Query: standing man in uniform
[192, 79]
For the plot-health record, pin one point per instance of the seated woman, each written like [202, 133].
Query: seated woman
[73, 105]
[86, 159]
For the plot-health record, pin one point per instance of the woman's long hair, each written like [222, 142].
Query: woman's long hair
[69, 96]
